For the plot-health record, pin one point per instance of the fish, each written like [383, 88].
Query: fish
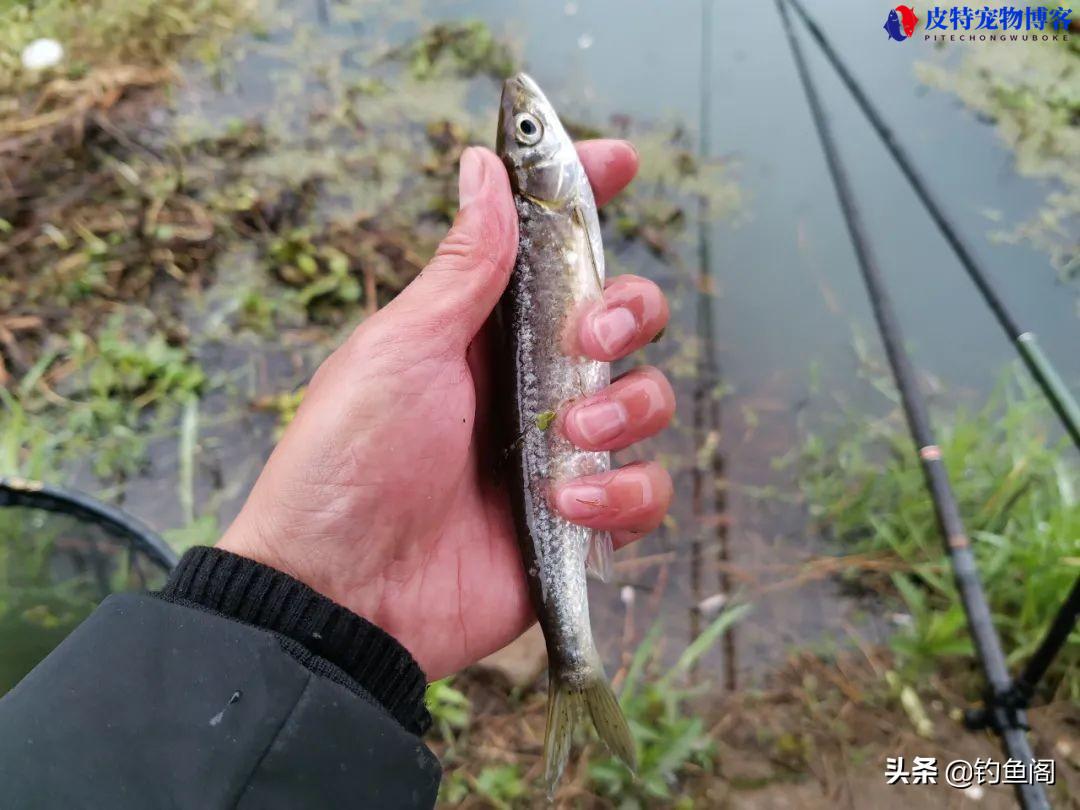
[908, 19]
[892, 27]
[558, 272]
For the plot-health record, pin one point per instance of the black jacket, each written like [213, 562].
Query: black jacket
[236, 686]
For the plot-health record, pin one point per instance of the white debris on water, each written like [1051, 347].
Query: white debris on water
[585, 41]
[41, 54]
[974, 792]
[570, 9]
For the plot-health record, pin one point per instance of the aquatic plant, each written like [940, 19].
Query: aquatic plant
[1029, 93]
[458, 48]
[672, 187]
[503, 786]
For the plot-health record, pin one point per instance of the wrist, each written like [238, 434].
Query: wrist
[250, 537]
[250, 591]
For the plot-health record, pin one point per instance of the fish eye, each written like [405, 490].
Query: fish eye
[528, 130]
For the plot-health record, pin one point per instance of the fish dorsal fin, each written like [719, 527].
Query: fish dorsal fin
[579, 218]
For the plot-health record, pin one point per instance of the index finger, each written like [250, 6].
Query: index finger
[610, 164]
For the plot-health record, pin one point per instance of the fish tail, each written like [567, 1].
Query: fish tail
[610, 723]
[564, 709]
[565, 703]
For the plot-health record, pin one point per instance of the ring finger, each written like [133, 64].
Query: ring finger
[632, 499]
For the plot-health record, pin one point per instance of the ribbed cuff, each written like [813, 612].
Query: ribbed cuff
[256, 594]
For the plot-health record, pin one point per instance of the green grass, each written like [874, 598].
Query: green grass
[449, 707]
[121, 389]
[673, 740]
[452, 714]
[1017, 487]
[27, 447]
[126, 389]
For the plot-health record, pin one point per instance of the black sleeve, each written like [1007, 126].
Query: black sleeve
[235, 687]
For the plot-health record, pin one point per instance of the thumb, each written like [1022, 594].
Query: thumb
[452, 297]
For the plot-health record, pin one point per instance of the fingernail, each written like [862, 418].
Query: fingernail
[614, 328]
[470, 176]
[580, 501]
[599, 422]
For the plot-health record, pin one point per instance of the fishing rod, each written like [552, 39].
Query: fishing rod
[1008, 721]
[1024, 340]
[36, 495]
[707, 496]
[1060, 629]
[1040, 366]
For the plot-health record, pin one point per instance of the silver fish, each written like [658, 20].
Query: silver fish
[559, 271]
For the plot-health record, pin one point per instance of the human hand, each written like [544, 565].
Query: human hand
[381, 494]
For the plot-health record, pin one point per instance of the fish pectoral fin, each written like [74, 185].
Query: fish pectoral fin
[599, 561]
[579, 218]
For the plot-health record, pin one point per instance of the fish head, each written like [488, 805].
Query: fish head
[538, 153]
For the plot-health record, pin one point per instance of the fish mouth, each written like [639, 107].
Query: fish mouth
[521, 91]
[521, 85]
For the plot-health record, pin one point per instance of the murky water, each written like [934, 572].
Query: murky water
[758, 300]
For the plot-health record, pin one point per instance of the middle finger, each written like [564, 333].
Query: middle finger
[633, 312]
